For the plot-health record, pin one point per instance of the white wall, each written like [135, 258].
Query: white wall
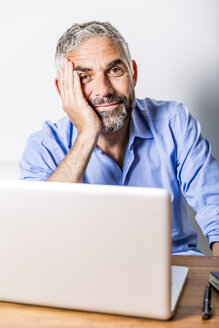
[175, 43]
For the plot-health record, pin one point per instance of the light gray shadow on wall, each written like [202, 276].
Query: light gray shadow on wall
[206, 103]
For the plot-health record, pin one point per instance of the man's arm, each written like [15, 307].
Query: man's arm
[85, 119]
[215, 249]
[198, 174]
[74, 164]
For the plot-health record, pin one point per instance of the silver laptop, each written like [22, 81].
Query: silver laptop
[88, 247]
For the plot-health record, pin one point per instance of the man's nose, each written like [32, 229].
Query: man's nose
[102, 87]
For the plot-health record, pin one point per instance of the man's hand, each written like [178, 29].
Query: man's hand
[89, 126]
[215, 249]
[74, 104]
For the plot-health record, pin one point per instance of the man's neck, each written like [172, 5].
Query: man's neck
[114, 144]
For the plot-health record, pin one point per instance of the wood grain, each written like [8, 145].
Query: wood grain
[188, 312]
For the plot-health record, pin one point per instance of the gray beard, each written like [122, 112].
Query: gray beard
[113, 120]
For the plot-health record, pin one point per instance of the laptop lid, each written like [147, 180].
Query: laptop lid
[87, 247]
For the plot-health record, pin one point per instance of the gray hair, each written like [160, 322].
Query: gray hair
[77, 33]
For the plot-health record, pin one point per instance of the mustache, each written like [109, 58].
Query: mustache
[107, 100]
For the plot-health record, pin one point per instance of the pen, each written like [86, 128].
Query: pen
[207, 309]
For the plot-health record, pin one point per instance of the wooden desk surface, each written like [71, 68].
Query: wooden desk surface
[188, 313]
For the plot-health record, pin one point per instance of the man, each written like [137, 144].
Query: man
[109, 137]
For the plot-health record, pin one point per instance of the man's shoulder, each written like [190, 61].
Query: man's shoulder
[53, 131]
[155, 110]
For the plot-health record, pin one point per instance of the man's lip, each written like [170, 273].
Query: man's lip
[106, 105]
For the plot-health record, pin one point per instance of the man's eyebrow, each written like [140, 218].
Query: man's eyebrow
[116, 62]
[109, 65]
[82, 69]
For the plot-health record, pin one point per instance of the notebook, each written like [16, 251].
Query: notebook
[88, 247]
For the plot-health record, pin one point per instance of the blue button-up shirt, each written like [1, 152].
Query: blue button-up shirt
[165, 149]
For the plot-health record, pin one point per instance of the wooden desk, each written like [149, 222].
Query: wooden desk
[188, 313]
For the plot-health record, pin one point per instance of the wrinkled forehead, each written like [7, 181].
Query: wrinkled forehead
[96, 49]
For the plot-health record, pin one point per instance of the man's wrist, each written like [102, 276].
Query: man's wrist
[88, 136]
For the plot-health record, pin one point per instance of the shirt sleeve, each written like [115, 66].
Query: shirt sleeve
[38, 161]
[197, 173]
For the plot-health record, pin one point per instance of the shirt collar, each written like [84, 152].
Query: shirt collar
[138, 123]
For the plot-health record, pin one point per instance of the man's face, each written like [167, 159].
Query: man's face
[106, 80]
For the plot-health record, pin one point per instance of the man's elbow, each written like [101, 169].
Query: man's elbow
[215, 248]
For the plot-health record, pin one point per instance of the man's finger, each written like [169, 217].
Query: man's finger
[65, 80]
[77, 85]
[60, 82]
[70, 82]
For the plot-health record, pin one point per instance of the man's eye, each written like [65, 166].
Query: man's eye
[84, 77]
[117, 71]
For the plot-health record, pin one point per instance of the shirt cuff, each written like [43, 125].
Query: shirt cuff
[212, 240]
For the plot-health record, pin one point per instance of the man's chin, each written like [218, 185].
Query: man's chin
[113, 120]
[107, 128]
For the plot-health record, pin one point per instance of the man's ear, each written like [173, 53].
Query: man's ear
[57, 86]
[135, 72]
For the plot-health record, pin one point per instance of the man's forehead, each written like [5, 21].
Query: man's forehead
[96, 49]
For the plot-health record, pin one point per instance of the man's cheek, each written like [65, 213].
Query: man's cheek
[86, 91]
[123, 86]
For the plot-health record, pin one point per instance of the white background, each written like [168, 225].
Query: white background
[174, 42]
